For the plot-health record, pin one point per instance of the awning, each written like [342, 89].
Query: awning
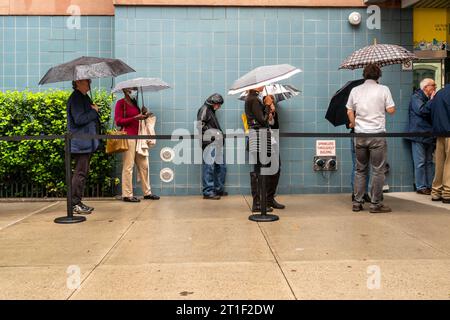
[425, 3]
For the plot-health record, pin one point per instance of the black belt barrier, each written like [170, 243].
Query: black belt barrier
[70, 218]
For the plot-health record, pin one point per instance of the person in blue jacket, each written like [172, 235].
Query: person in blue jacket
[439, 110]
[82, 118]
[422, 148]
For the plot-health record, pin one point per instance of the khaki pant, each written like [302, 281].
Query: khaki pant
[441, 182]
[131, 157]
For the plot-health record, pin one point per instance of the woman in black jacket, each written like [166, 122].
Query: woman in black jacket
[257, 119]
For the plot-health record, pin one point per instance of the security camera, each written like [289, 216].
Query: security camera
[354, 18]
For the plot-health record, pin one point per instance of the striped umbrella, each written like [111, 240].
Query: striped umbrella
[380, 54]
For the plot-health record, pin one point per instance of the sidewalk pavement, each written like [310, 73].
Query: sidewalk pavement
[189, 248]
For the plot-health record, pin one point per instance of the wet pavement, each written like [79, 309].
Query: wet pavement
[189, 248]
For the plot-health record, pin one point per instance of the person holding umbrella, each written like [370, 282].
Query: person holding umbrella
[258, 117]
[367, 106]
[127, 116]
[82, 118]
[272, 181]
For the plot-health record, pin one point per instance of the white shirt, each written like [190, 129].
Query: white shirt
[369, 101]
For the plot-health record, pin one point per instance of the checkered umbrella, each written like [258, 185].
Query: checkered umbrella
[380, 54]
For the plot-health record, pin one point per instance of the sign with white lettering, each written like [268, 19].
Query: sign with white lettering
[325, 147]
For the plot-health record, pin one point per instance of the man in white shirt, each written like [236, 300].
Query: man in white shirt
[366, 109]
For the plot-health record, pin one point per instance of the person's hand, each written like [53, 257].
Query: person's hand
[351, 125]
[141, 117]
[95, 107]
[433, 94]
[270, 116]
[144, 110]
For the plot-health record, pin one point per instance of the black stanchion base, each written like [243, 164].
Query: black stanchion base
[67, 220]
[263, 217]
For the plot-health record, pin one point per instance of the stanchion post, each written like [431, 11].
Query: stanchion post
[70, 218]
[263, 217]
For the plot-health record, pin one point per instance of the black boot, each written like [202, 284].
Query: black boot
[255, 194]
[256, 206]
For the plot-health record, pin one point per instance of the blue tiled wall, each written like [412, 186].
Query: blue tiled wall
[29, 46]
[203, 50]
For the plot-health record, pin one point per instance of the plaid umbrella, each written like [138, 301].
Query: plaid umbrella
[380, 54]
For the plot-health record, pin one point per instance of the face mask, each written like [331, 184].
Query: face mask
[133, 94]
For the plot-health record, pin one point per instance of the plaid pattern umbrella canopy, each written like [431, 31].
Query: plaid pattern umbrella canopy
[380, 54]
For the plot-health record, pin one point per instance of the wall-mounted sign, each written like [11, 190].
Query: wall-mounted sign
[325, 147]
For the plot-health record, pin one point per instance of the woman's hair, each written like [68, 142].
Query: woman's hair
[372, 72]
[74, 85]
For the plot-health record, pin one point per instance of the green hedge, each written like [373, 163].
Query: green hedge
[41, 163]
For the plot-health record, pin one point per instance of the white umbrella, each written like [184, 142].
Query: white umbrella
[263, 76]
[279, 91]
[145, 84]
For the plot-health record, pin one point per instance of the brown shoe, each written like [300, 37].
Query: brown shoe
[380, 209]
[425, 192]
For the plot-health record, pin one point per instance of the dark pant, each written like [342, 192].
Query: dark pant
[272, 184]
[80, 175]
[373, 152]
[423, 164]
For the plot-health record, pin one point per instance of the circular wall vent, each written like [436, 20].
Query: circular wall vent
[167, 154]
[166, 175]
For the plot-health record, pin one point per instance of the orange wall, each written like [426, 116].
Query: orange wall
[55, 7]
[273, 3]
[106, 7]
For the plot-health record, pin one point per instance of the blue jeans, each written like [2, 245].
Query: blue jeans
[213, 175]
[352, 183]
[422, 154]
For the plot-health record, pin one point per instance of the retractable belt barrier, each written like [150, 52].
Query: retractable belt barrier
[70, 218]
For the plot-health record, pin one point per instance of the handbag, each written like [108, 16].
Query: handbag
[117, 145]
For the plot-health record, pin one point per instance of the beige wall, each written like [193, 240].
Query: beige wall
[106, 7]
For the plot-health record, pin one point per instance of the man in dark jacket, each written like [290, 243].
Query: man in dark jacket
[213, 167]
[422, 147]
[82, 118]
[439, 109]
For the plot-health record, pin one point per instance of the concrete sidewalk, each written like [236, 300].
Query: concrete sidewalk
[189, 248]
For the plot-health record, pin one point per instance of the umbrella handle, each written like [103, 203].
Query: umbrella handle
[142, 96]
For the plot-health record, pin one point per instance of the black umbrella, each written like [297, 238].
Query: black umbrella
[86, 68]
[337, 110]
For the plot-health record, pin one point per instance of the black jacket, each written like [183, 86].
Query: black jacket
[207, 119]
[255, 112]
[82, 119]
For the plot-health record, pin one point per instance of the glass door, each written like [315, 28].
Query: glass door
[433, 69]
